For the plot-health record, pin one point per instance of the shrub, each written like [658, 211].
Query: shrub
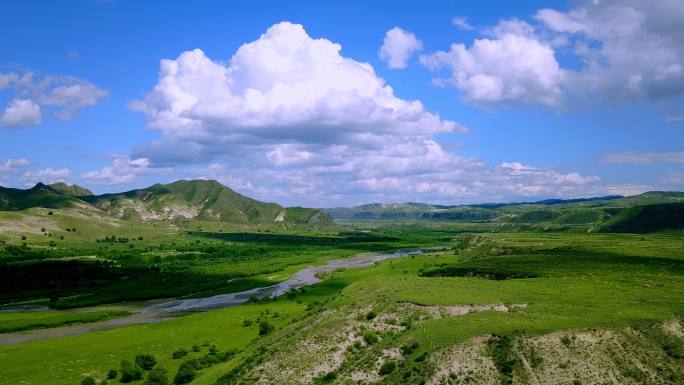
[195, 348]
[179, 353]
[186, 372]
[265, 328]
[50, 213]
[370, 338]
[371, 314]
[213, 350]
[88, 381]
[145, 361]
[112, 374]
[130, 371]
[387, 368]
[158, 376]
[566, 340]
[421, 357]
[408, 349]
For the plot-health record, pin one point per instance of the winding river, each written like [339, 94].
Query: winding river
[167, 309]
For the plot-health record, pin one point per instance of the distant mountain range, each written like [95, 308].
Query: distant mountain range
[210, 201]
[205, 200]
[650, 211]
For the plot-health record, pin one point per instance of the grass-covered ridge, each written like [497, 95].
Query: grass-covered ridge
[184, 200]
[647, 218]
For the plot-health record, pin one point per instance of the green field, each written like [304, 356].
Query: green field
[19, 321]
[563, 292]
[580, 282]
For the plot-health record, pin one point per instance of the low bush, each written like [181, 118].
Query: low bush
[130, 371]
[145, 361]
[370, 338]
[179, 353]
[265, 328]
[186, 372]
[157, 376]
[387, 368]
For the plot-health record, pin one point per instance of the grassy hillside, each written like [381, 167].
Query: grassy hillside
[12, 199]
[181, 201]
[73, 190]
[647, 218]
[576, 215]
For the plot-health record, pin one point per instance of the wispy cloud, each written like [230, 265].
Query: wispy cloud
[644, 157]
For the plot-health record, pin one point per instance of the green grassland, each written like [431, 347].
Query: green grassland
[505, 281]
[581, 281]
[28, 320]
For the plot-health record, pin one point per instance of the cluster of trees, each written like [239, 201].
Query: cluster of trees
[130, 371]
[112, 239]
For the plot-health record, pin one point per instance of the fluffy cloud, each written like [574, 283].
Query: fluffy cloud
[47, 176]
[289, 118]
[67, 95]
[20, 113]
[123, 170]
[285, 86]
[631, 49]
[627, 51]
[398, 46]
[462, 23]
[11, 165]
[644, 157]
[512, 65]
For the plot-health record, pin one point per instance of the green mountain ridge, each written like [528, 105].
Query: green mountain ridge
[204, 200]
[580, 214]
[73, 189]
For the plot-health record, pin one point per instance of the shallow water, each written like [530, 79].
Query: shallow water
[166, 309]
[301, 278]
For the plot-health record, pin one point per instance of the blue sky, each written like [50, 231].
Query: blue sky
[537, 100]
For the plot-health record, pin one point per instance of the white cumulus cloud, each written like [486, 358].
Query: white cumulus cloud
[123, 170]
[621, 50]
[66, 95]
[398, 46]
[289, 118]
[512, 65]
[47, 176]
[20, 113]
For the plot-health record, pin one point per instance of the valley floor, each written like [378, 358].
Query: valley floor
[474, 308]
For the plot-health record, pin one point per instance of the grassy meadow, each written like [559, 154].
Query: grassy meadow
[566, 282]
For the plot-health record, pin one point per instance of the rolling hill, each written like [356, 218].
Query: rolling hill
[203, 200]
[609, 213]
[40, 195]
[647, 219]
